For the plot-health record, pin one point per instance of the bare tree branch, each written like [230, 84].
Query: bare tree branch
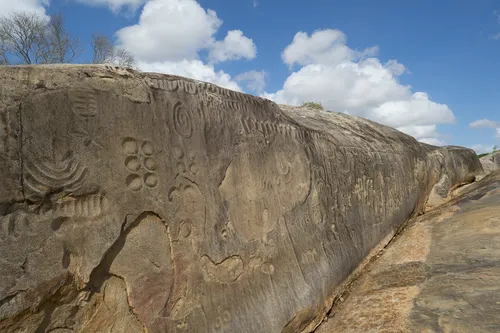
[62, 48]
[22, 35]
[104, 52]
[28, 38]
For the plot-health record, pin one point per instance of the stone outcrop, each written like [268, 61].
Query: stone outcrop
[134, 201]
[441, 274]
[491, 162]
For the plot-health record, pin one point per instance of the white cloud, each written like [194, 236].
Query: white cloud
[433, 141]
[345, 80]
[116, 5]
[171, 34]
[255, 80]
[480, 149]
[170, 30]
[32, 6]
[322, 47]
[194, 69]
[235, 46]
[484, 123]
[395, 67]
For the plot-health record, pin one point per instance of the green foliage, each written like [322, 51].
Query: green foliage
[494, 148]
[313, 105]
[481, 155]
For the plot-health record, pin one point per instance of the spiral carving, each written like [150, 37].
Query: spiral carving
[182, 121]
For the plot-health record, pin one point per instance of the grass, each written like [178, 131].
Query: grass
[313, 105]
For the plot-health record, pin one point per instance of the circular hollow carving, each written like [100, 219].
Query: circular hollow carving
[151, 180]
[182, 121]
[132, 163]
[185, 228]
[193, 168]
[130, 146]
[149, 164]
[178, 153]
[134, 182]
[148, 148]
[181, 168]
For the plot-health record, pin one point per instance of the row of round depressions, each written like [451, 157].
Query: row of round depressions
[140, 163]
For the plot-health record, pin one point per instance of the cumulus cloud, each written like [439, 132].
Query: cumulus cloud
[194, 69]
[170, 30]
[234, 46]
[432, 141]
[254, 80]
[32, 6]
[171, 34]
[484, 123]
[116, 5]
[480, 148]
[346, 80]
[322, 47]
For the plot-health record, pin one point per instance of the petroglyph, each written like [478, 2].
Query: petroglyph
[309, 257]
[83, 102]
[193, 207]
[44, 176]
[141, 163]
[182, 120]
[87, 206]
[226, 271]
[15, 225]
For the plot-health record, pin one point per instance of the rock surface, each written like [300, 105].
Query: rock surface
[491, 162]
[441, 274]
[143, 202]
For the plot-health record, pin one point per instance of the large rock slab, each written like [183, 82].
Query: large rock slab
[491, 162]
[134, 201]
[441, 274]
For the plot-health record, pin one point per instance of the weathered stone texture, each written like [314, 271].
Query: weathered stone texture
[491, 162]
[136, 201]
[441, 274]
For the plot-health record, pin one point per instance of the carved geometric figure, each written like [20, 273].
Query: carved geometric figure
[134, 182]
[84, 102]
[227, 271]
[185, 228]
[151, 180]
[130, 146]
[178, 152]
[88, 206]
[133, 163]
[193, 168]
[44, 176]
[149, 164]
[267, 268]
[181, 167]
[182, 120]
[148, 148]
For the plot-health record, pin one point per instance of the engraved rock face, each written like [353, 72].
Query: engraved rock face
[137, 202]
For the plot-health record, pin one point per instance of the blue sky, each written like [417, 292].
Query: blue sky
[428, 68]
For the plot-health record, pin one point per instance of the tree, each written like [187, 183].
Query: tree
[313, 105]
[62, 48]
[28, 38]
[494, 148]
[104, 52]
[22, 37]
